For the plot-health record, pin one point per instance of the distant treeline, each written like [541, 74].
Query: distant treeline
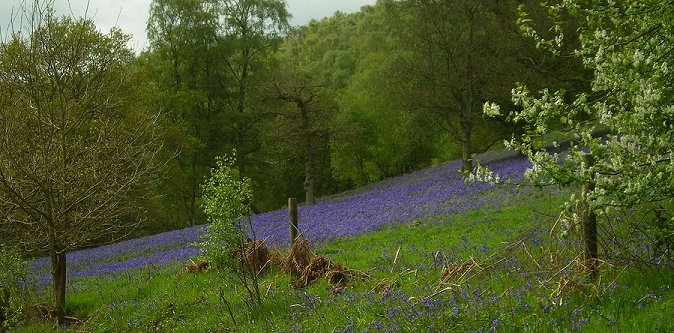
[335, 104]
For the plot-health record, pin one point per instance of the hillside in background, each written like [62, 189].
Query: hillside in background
[423, 194]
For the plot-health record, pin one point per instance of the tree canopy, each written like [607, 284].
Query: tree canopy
[78, 140]
[628, 47]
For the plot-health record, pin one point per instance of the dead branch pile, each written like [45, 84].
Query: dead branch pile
[298, 258]
[306, 267]
[196, 267]
[254, 257]
[456, 271]
[317, 268]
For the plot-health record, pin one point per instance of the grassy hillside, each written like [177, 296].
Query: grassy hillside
[431, 255]
[419, 195]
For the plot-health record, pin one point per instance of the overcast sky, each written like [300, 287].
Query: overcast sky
[131, 15]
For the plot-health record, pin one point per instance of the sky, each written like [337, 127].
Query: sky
[131, 15]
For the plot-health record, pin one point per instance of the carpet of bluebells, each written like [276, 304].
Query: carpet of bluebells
[506, 289]
[434, 191]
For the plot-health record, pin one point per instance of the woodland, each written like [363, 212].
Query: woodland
[230, 111]
[319, 109]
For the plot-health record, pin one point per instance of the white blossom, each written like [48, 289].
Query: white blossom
[492, 109]
[633, 94]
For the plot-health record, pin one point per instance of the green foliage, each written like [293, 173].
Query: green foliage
[226, 202]
[13, 272]
[455, 55]
[627, 46]
[214, 62]
[350, 57]
[214, 77]
[209, 59]
[188, 67]
[379, 137]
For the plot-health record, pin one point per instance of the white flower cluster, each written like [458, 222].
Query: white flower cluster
[482, 174]
[492, 109]
[632, 97]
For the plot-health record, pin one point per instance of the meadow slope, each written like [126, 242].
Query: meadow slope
[435, 255]
[430, 192]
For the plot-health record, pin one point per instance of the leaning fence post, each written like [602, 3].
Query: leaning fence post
[292, 220]
[589, 223]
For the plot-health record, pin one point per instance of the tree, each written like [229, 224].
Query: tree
[305, 126]
[210, 59]
[187, 63]
[378, 137]
[78, 142]
[254, 29]
[350, 57]
[457, 55]
[227, 203]
[628, 46]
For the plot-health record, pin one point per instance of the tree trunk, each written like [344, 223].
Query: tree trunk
[309, 182]
[589, 224]
[292, 221]
[189, 200]
[590, 241]
[466, 123]
[241, 152]
[362, 176]
[241, 130]
[309, 169]
[466, 151]
[188, 206]
[58, 262]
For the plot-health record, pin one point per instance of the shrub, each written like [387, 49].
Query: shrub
[13, 272]
[226, 201]
[227, 198]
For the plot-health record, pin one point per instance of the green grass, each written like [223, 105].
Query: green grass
[511, 287]
[458, 235]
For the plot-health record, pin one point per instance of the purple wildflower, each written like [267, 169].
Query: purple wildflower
[434, 191]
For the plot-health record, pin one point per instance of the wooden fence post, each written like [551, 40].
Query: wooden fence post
[589, 223]
[292, 220]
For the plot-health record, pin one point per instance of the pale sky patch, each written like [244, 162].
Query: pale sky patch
[131, 15]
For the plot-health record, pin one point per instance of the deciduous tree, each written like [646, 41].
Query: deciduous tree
[187, 62]
[210, 58]
[304, 125]
[77, 138]
[629, 48]
[253, 28]
[457, 55]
